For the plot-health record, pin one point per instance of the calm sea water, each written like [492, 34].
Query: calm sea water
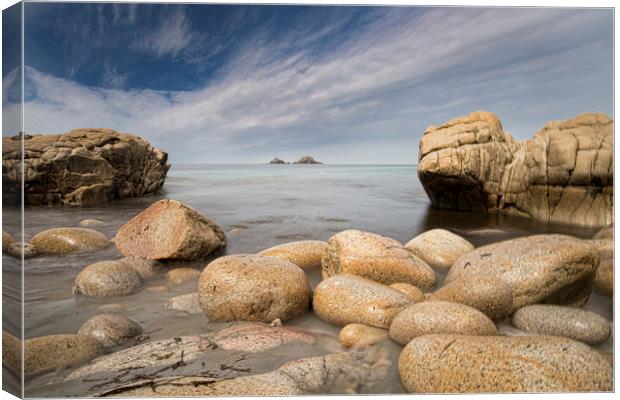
[258, 206]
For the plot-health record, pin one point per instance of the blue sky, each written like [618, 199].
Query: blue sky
[216, 83]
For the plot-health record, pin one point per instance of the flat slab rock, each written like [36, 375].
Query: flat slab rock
[564, 174]
[349, 373]
[81, 167]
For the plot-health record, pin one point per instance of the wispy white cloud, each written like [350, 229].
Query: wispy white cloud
[366, 98]
[169, 38]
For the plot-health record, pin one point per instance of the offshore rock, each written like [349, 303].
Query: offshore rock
[81, 167]
[564, 174]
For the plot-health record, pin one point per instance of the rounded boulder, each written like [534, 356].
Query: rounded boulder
[251, 287]
[107, 279]
[439, 248]
[375, 257]
[110, 329]
[306, 254]
[69, 240]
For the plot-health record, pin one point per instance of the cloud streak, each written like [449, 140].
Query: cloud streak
[367, 97]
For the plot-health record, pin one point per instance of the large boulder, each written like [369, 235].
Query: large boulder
[375, 257]
[251, 287]
[167, 230]
[107, 279]
[344, 299]
[439, 248]
[81, 167]
[563, 174]
[306, 254]
[480, 364]
[555, 269]
[110, 329]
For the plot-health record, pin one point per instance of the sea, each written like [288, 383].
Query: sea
[258, 206]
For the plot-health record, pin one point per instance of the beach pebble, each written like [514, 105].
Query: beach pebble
[91, 223]
[59, 351]
[487, 293]
[181, 275]
[414, 294]
[306, 254]
[574, 323]
[169, 229]
[107, 279]
[187, 303]
[112, 308]
[344, 299]
[360, 335]
[16, 250]
[604, 278]
[375, 257]
[7, 240]
[110, 329]
[69, 240]
[605, 233]
[483, 364]
[143, 266]
[256, 337]
[556, 269]
[445, 317]
[439, 248]
[251, 287]
[605, 247]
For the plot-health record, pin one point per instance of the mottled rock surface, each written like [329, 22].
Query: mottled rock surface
[107, 279]
[81, 167]
[439, 248]
[256, 337]
[69, 240]
[439, 317]
[186, 303]
[169, 229]
[604, 279]
[7, 240]
[344, 299]
[344, 373]
[488, 293]
[482, 364]
[605, 233]
[360, 335]
[180, 275]
[306, 254]
[250, 287]
[605, 247]
[555, 269]
[110, 329]
[143, 266]
[59, 350]
[11, 352]
[414, 294]
[574, 323]
[563, 174]
[17, 250]
[375, 257]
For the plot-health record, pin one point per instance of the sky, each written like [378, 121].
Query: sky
[244, 84]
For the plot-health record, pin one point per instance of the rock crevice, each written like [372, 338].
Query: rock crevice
[564, 174]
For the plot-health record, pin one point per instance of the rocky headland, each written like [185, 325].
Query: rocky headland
[81, 167]
[564, 174]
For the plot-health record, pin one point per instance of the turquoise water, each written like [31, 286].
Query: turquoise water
[258, 206]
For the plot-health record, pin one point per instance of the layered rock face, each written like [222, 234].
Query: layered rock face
[81, 167]
[564, 174]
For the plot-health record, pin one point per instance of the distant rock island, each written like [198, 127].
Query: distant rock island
[307, 160]
[303, 160]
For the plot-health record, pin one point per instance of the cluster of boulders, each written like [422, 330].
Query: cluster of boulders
[80, 167]
[563, 174]
[372, 286]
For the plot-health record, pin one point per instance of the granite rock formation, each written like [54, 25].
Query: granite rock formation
[81, 167]
[564, 174]
[277, 161]
[307, 160]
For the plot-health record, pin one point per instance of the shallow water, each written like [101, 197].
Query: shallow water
[258, 206]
